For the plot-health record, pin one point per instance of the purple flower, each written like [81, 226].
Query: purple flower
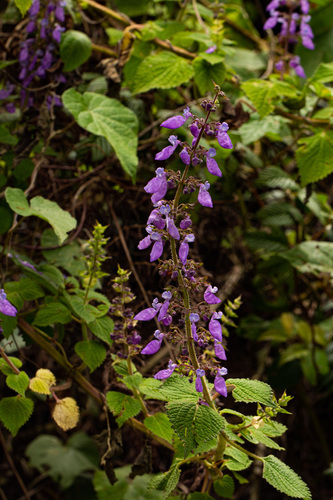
[167, 320]
[168, 151]
[219, 382]
[166, 373]
[194, 318]
[271, 21]
[59, 11]
[204, 197]
[198, 384]
[4, 93]
[219, 351]
[172, 229]
[305, 6]
[56, 33]
[164, 309]
[295, 63]
[176, 121]
[157, 186]
[274, 4]
[209, 295]
[135, 339]
[212, 165]
[194, 129]
[154, 345]
[157, 249]
[307, 42]
[34, 9]
[214, 327]
[5, 306]
[279, 66]
[211, 49]
[185, 223]
[222, 136]
[184, 156]
[156, 219]
[184, 248]
[149, 313]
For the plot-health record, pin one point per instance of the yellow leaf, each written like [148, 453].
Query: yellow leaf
[42, 382]
[66, 413]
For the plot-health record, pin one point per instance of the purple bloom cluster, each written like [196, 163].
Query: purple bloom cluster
[38, 52]
[5, 306]
[170, 222]
[294, 27]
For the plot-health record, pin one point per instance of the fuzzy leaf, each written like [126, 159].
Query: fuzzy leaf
[75, 49]
[66, 413]
[18, 382]
[61, 221]
[29, 289]
[160, 424]
[225, 487]
[166, 482]
[315, 157]
[91, 352]
[102, 328]
[6, 369]
[43, 380]
[252, 391]
[237, 460]
[23, 5]
[108, 118]
[15, 412]
[179, 388]
[194, 423]
[284, 479]
[311, 257]
[205, 72]
[123, 405]
[164, 70]
[54, 312]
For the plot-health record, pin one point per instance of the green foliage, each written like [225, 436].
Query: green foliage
[150, 73]
[284, 479]
[18, 382]
[61, 221]
[91, 352]
[225, 487]
[63, 462]
[194, 423]
[160, 425]
[167, 481]
[53, 312]
[251, 391]
[108, 118]
[315, 156]
[75, 49]
[123, 405]
[15, 411]
[23, 5]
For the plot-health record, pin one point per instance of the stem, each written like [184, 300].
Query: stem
[9, 363]
[240, 448]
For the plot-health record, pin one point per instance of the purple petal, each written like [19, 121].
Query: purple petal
[183, 252]
[166, 373]
[209, 296]
[144, 243]
[146, 314]
[154, 185]
[198, 385]
[160, 193]
[156, 251]
[174, 122]
[167, 320]
[220, 386]
[224, 140]
[185, 223]
[163, 310]
[270, 23]
[152, 347]
[7, 308]
[307, 42]
[213, 167]
[215, 329]
[211, 49]
[194, 331]
[219, 351]
[204, 197]
[172, 229]
[184, 156]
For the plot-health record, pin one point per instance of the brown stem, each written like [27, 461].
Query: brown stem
[12, 466]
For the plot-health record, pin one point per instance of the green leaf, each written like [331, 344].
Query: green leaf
[18, 382]
[150, 388]
[200, 496]
[315, 157]
[179, 389]
[275, 177]
[262, 94]
[252, 391]
[194, 423]
[311, 257]
[324, 73]
[6, 137]
[225, 487]
[272, 126]
[87, 312]
[284, 479]
[236, 459]
[91, 352]
[160, 425]
[15, 412]
[23, 5]
[54, 312]
[164, 70]
[280, 214]
[205, 72]
[6, 369]
[123, 405]
[29, 289]
[64, 463]
[75, 49]
[61, 221]
[166, 482]
[108, 118]
[102, 328]
[133, 381]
